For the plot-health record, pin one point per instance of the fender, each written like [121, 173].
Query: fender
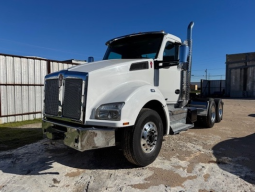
[135, 95]
[138, 99]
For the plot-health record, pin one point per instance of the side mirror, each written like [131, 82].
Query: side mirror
[90, 59]
[184, 51]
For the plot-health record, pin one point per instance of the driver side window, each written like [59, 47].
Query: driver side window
[170, 52]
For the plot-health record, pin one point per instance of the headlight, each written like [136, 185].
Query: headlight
[111, 111]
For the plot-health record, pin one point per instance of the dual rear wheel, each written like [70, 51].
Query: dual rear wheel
[215, 112]
[219, 110]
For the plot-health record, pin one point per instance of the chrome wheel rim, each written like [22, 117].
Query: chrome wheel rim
[213, 114]
[149, 137]
[220, 110]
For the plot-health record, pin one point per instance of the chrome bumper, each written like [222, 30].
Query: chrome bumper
[79, 138]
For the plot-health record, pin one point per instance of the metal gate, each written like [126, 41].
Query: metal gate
[212, 88]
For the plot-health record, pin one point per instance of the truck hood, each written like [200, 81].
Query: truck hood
[104, 64]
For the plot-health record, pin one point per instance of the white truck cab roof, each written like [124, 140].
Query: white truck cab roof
[167, 35]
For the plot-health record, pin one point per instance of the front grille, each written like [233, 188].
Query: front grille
[72, 98]
[51, 97]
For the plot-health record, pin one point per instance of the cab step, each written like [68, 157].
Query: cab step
[181, 127]
[178, 121]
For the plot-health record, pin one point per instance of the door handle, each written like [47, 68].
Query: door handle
[177, 91]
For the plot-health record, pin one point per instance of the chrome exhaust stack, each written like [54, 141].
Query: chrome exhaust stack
[186, 68]
[188, 79]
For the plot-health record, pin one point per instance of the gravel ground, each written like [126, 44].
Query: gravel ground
[221, 158]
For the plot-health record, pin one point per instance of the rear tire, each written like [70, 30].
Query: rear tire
[142, 142]
[219, 110]
[211, 115]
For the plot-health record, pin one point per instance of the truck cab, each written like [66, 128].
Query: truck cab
[137, 94]
[158, 46]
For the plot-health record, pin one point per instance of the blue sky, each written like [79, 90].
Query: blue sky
[77, 29]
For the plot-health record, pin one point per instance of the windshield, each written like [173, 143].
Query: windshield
[140, 46]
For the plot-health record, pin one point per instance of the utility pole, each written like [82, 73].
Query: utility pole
[206, 74]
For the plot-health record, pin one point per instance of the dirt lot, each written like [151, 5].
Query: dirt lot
[221, 158]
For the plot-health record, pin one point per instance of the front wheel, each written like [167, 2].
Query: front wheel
[142, 142]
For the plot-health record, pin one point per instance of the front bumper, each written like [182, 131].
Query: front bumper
[79, 138]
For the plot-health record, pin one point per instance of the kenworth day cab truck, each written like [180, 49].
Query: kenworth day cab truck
[137, 94]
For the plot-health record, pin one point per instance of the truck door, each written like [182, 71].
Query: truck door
[169, 77]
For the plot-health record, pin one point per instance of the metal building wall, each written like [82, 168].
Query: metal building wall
[240, 75]
[21, 86]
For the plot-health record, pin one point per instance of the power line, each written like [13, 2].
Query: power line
[209, 69]
[203, 75]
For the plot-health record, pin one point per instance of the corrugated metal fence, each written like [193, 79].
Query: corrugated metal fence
[21, 86]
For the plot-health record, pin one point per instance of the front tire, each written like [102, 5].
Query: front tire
[142, 142]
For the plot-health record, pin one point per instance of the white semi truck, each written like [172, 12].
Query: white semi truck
[137, 94]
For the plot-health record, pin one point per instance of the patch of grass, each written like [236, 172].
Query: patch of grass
[12, 137]
[20, 123]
